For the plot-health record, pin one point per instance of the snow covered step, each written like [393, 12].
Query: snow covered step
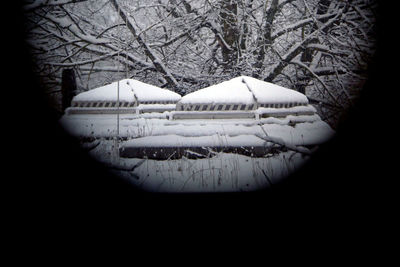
[215, 140]
[171, 153]
[298, 130]
[142, 108]
[175, 146]
[279, 112]
[284, 112]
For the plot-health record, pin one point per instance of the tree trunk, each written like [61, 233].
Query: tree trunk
[307, 55]
[228, 14]
[265, 40]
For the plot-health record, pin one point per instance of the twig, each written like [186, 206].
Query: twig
[282, 143]
[267, 177]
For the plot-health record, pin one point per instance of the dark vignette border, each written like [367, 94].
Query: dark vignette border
[54, 174]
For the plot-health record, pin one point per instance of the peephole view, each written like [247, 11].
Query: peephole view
[201, 95]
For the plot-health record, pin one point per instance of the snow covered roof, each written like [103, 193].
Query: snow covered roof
[129, 89]
[270, 93]
[232, 91]
[241, 90]
[147, 92]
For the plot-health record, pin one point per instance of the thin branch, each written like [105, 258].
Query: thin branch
[149, 53]
[319, 79]
[43, 3]
[282, 143]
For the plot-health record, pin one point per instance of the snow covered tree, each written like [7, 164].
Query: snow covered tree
[318, 47]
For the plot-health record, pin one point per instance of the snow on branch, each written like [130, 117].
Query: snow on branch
[319, 79]
[299, 24]
[297, 48]
[158, 64]
[71, 27]
[188, 45]
[281, 142]
[85, 62]
[43, 3]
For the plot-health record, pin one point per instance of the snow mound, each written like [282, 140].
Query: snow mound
[147, 92]
[108, 92]
[270, 93]
[129, 91]
[244, 90]
[232, 92]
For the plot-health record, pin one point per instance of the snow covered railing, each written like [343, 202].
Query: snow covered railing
[234, 107]
[101, 107]
[157, 102]
[214, 107]
[102, 104]
[211, 115]
[282, 110]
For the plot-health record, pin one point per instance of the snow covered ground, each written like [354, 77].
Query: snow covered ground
[224, 172]
[220, 173]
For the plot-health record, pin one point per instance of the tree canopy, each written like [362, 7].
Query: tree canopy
[318, 47]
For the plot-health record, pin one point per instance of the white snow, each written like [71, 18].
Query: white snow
[129, 89]
[173, 140]
[309, 130]
[232, 92]
[223, 173]
[240, 90]
[108, 93]
[266, 92]
[156, 107]
[297, 127]
[146, 92]
[293, 110]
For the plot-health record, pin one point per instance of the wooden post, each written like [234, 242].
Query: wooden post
[68, 87]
